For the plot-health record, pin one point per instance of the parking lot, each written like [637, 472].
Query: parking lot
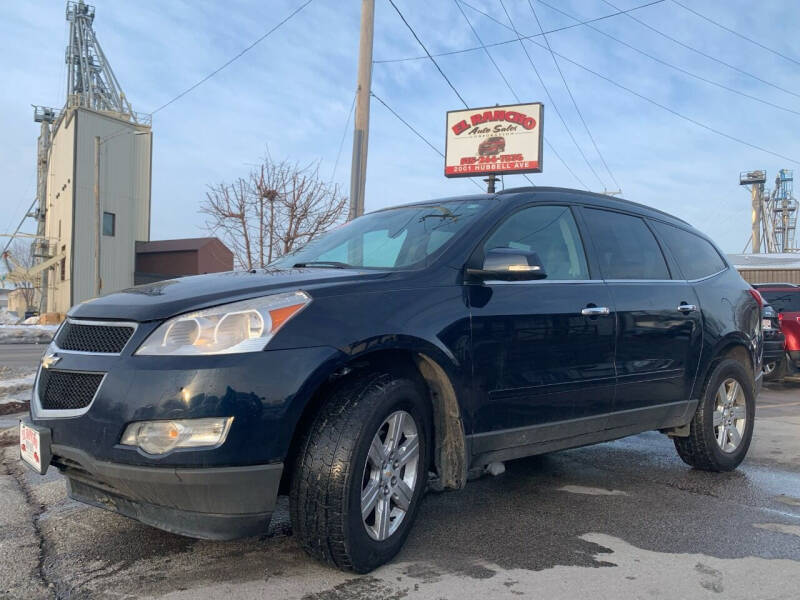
[620, 520]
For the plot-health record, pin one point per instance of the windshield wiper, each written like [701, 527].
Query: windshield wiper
[331, 264]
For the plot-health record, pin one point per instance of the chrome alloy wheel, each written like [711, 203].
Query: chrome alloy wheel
[730, 415]
[390, 475]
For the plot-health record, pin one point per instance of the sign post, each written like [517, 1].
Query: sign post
[493, 141]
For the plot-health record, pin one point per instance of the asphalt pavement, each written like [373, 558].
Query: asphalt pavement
[21, 356]
[620, 520]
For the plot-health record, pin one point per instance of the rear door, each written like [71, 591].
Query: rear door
[658, 317]
[537, 359]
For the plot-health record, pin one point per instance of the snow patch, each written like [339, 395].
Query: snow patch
[27, 334]
[8, 318]
[779, 528]
[591, 491]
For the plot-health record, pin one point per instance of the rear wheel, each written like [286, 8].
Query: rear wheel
[722, 427]
[361, 472]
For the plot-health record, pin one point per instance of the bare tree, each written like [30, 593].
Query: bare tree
[21, 259]
[278, 208]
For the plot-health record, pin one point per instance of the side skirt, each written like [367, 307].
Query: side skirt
[509, 444]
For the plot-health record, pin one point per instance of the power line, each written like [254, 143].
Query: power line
[550, 97]
[513, 93]
[670, 65]
[450, 83]
[574, 103]
[344, 135]
[235, 58]
[736, 33]
[480, 41]
[417, 133]
[433, 60]
[668, 109]
[514, 41]
[701, 53]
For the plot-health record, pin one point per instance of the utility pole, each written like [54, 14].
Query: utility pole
[98, 282]
[358, 168]
[756, 191]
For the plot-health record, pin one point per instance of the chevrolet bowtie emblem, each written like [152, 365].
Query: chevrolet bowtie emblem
[49, 360]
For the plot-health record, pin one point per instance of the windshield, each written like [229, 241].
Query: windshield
[396, 238]
[784, 301]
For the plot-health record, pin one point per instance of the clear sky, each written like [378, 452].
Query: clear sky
[292, 95]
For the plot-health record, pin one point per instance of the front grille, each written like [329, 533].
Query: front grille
[109, 339]
[65, 390]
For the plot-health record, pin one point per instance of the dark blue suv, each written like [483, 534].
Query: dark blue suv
[409, 349]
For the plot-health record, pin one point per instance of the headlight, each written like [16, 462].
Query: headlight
[245, 326]
[159, 437]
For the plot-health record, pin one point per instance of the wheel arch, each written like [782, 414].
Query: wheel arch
[735, 345]
[435, 368]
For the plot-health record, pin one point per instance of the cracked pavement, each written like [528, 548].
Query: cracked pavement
[625, 519]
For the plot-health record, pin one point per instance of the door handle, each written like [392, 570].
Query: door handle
[687, 308]
[594, 311]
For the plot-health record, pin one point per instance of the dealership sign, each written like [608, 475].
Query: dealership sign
[499, 139]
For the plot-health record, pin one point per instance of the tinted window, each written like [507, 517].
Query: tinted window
[696, 257]
[549, 231]
[784, 300]
[626, 248]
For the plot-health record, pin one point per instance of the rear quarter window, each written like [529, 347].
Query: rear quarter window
[696, 257]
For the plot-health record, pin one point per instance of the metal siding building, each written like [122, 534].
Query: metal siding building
[767, 268]
[125, 160]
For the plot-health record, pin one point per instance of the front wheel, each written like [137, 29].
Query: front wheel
[722, 427]
[361, 472]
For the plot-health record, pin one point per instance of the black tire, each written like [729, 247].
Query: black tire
[778, 372]
[325, 496]
[700, 449]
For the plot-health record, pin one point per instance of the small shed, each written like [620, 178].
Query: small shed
[167, 259]
[768, 268]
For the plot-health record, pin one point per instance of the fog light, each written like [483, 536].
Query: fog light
[160, 437]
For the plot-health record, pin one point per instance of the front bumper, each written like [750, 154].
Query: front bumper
[211, 503]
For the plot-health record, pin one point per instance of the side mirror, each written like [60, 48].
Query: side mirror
[509, 264]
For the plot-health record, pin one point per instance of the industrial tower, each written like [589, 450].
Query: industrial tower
[93, 157]
[774, 213]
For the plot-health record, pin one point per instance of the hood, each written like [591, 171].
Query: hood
[175, 296]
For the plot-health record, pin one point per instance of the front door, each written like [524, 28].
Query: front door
[537, 357]
[658, 317]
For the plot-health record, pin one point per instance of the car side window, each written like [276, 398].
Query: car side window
[696, 257]
[626, 248]
[550, 231]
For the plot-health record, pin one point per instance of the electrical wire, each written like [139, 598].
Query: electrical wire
[670, 65]
[552, 102]
[736, 33]
[571, 97]
[417, 133]
[235, 58]
[508, 85]
[670, 110]
[433, 60]
[701, 53]
[514, 41]
[438, 68]
[516, 97]
[344, 135]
